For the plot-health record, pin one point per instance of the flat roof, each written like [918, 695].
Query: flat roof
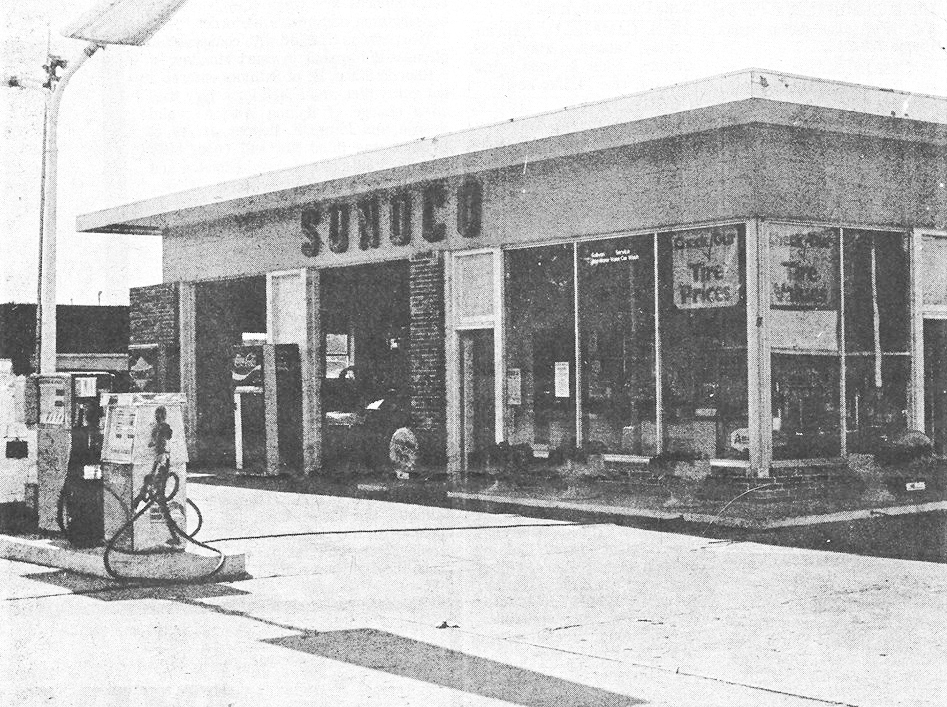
[740, 97]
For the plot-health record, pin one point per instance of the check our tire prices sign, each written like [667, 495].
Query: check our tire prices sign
[706, 268]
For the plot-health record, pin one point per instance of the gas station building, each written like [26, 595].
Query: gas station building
[748, 270]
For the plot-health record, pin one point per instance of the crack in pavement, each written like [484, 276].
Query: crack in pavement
[699, 676]
[239, 614]
[839, 593]
[432, 529]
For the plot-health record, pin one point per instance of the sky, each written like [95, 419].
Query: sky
[232, 88]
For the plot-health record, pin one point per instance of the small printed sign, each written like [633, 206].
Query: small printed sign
[247, 366]
[85, 387]
[608, 253]
[562, 379]
[141, 370]
[52, 403]
[514, 386]
[740, 439]
[119, 434]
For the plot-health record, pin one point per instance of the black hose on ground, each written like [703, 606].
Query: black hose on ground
[154, 491]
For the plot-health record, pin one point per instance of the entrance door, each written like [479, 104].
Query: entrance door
[476, 395]
[935, 382]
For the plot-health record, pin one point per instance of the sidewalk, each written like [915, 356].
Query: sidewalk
[762, 504]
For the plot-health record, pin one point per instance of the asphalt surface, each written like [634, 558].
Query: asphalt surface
[920, 536]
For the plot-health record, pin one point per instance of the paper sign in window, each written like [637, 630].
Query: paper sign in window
[706, 268]
[514, 386]
[562, 379]
[803, 268]
[804, 288]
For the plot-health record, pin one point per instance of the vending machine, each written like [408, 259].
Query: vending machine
[267, 400]
[143, 441]
[246, 377]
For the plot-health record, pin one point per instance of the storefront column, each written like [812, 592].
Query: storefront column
[428, 356]
[311, 365]
[499, 345]
[452, 378]
[759, 405]
[460, 290]
[916, 412]
[270, 408]
[187, 318]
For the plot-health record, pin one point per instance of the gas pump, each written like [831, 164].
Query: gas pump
[144, 476]
[69, 444]
[125, 488]
[144, 451]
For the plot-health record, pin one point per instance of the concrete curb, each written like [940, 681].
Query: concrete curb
[860, 514]
[178, 566]
[725, 521]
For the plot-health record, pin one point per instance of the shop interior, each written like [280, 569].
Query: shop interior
[365, 315]
[226, 311]
[697, 331]
[841, 356]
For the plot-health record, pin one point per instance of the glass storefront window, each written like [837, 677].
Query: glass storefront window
[702, 323]
[804, 322]
[540, 346]
[877, 336]
[338, 354]
[839, 338]
[616, 331]
[805, 406]
[812, 311]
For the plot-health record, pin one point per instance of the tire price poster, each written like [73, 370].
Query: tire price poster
[706, 268]
[804, 288]
[803, 267]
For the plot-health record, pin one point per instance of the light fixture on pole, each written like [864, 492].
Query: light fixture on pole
[128, 22]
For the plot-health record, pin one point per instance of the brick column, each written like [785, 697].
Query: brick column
[428, 388]
[187, 318]
[311, 368]
[153, 322]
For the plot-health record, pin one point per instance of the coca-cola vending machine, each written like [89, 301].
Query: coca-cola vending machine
[246, 377]
[267, 400]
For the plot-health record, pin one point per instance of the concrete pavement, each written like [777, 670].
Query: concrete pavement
[366, 602]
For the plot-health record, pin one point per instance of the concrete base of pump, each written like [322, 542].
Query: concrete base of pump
[180, 566]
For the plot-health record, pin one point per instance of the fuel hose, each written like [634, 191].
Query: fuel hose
[154, 492]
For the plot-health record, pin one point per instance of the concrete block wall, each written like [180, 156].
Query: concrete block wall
[428, 386]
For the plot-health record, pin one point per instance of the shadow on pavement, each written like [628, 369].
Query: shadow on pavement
[396, 655]
[921, 537]
[108, 590]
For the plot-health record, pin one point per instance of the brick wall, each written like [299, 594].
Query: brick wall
[154, 314]
[153, 320]
[428, 388]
